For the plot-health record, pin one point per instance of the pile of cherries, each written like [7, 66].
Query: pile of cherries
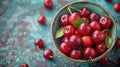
[88, 39]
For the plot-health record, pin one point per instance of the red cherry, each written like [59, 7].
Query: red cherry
[108, 0]
[48, 54]
[89, 52]
[24, 65]
[98, 36]
[76, 33]
[65, 48]
[73, 17]
[65, 19]
[87, 20]
[86, 41]
[104, 60]
[65, 39]
[116, 7]
[69, 30]
[94, 17]
[118, 60]
[48, 4]
[100, 48]
[84, 29]
[74, 41]
[41, 19]
[76, 54]
[117, 43]
[105, 22]
[95, 25]
[39, 43]
[85, 12]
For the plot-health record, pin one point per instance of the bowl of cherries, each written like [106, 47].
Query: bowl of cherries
[83, 31]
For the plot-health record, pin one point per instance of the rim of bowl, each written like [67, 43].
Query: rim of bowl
[79, 60]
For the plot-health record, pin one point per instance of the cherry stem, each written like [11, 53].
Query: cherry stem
[91, 59]
[51, 56]
[38, 48]
[105, 30]
[74, 8]
[69, 10]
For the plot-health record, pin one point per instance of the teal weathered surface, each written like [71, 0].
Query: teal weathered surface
[19, 29]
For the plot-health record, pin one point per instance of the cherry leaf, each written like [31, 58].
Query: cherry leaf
[59, 32]
[108, 41]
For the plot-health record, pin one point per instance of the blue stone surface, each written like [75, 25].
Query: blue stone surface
[19, 28]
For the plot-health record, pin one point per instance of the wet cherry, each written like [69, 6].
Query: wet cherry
[76, 54]
[48, 54]
[100, 48]
[85, 12]
[69, 30]
[86, 41]
[39, 42]
[41, 19]
[48, 4]
[94, 17]
[116, 7]
[24, 65]
[65, 19]
[65, 48]
[95, 25]
[65, 39]
[104, 60]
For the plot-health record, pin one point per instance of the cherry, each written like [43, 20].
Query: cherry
[39, 42]
[24, 65]
[95, 25]
[100, 48]
[86, 41]
[76, 54]
[74, 41]
[94, 17]
[69, 30]
[98, 36]
[73, 17]
[118, 60]
[65, 39]
[85, 12]
[65, 48]
[105, 22]
[104, 60]
[89, 52]
[76, 33]
[65, 19]
[48, 54]
[41, 19]
[108, 0]
[116, 7]
[87, 20]
[106, 32]
[84, 29]
[117, 43]
[48, 4]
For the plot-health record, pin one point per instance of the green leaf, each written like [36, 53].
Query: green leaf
[108, 41]
[59, 32]
[78, 21]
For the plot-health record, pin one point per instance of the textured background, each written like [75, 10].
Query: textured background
[19, 29]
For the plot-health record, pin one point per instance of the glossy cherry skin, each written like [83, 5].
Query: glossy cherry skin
[84, 29]
[94, 17]
[73, 17]
[39, 42]
[89, 52]
[24, 65]
[48, 54]
[85, 12]
[48, 4]
[65, 48]
[65, 39]
[87, 41]
[74, 41]
[41, 19]
[117, 43]
[69, 30]
[108, 0]
[100, 48]
[95, 25]
[104, 60]
[65, 19]
[98, 36]
[76, 54]
[118, 60]
[105, 22]
[116, 7]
